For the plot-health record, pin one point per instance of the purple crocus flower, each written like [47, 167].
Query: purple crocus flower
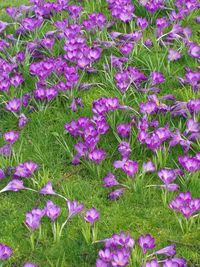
[52, 210]
[74, 208]
[3, 26]
[2, 174]
[5, 252]
[167, 175]
[33, 220]
[91, 216]
[120, 259]
[116, 194]
[146, 242]
[173, 263]
[168, 251]
[14, 185]
[11, 136]
[13, 105]
[173, 55]
[106, 255]
[124, 149]
[97, 155]
[192, 126]
[190, 164]
[29, 264]
[157, 78]
[124, 129]
[109, 180]
[152, 263]
[130, 167]
[23, 120]
[5, 150]
[47, 189]
[148, 166]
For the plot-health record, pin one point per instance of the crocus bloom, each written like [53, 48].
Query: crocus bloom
[109, 180]
[47, 189]
[173, 55]
[148, 166]
[13, 105]
[14, 185]
[190, 164]
[169, 251]
[146, 242]
[114, 195]
[29, 264]
[11, 137]
[33, 220]
[5, 252]
[97, 155]
[157, 78]
[130, 167]
[124, 129]
[74, 208]
[120, 259]
[23, 120]
[2, 174]
[167, 175]
[92, 216]
[106, 255]
[124, 149]
[5, 150]
[152, 263]
[52, 210]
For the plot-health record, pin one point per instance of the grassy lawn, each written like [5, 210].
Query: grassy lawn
[43, 140]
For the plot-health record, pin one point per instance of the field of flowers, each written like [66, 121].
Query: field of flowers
[99, 133]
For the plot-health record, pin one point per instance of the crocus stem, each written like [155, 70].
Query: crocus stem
[30, 189]
[126, 186]
[63, 225]
[61, 197]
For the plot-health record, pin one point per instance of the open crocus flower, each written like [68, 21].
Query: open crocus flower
[5, 252]
[109, 180]
[25, 169]
[146, 242]
[173, 55]
[13, 105]
[29, 264]
[168, 175]
[148, 166]
[97, 155]
[91, 216]
[52, 210]
[33, 218]
[11, 137]
[185, 204]
[152, 263]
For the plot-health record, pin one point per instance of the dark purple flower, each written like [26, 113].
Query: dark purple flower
[91, 216]
[130, 167]
[5, 252]
[146, 242]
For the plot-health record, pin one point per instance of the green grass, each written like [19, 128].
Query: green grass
[138, 211]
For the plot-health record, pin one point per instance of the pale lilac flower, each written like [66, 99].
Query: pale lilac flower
[109, 180]
[74, 208]
[2, 174]
[169, 251]
[47, 189]
[52, 210]
[14, 185]
[91, 216]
